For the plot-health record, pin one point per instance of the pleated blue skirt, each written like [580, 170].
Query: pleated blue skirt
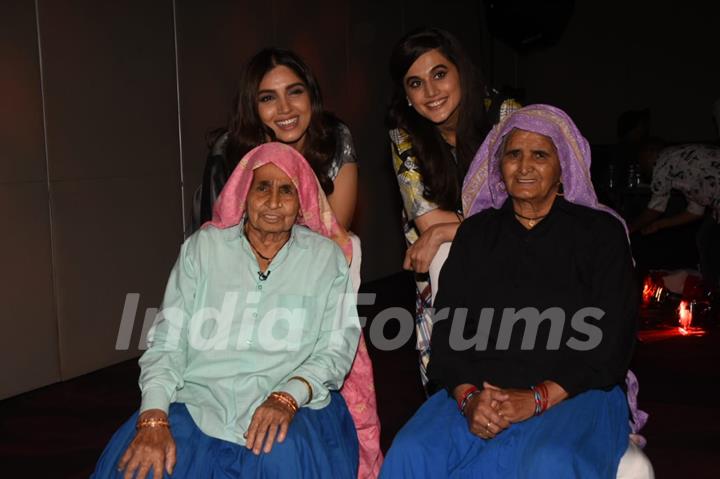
[583, 437]
[320, 443]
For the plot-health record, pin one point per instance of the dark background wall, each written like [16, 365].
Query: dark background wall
[104, 107]
[616, 56]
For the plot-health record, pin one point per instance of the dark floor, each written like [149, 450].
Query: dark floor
[60, 430]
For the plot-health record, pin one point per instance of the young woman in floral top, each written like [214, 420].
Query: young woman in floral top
[439, 115]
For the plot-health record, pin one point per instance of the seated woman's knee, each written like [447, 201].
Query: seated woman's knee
[550, 453]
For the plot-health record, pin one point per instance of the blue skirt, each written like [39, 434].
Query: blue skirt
[581, 437]
[320, 443]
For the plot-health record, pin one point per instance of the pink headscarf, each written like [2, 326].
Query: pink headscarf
[316, 213]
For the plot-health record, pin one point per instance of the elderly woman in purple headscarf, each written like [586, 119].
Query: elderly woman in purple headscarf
[534, 319]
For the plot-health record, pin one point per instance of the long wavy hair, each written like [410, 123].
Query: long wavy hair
[246, 129]
[442, 176]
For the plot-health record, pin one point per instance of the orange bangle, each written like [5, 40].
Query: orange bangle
[152, 422]
[285, 399]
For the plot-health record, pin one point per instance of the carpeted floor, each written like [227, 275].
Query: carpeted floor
[59, 430]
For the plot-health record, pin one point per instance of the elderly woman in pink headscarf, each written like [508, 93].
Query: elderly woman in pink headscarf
[257, 334]
[534, 320]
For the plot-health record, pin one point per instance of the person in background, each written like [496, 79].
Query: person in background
[279, 99]
[694, 171]
[439, 114]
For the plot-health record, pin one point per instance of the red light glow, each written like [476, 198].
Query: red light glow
[651, 290]
[684, 316]
[648, 290]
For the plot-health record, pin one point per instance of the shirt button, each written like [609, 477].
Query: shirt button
[259, 286]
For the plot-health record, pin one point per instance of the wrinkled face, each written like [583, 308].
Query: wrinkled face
[530, 168]
[432, 84]
[273, 202]
[284, 105]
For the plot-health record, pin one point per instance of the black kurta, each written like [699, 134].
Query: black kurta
[575, 258]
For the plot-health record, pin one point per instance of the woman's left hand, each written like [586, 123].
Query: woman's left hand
[519, 405]
[482, 414]
[270, 422]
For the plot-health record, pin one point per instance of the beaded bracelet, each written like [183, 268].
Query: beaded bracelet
[462, 400]
[538, 400]
[152, 422]
[540, 394]
[467, 395]
[545, 396]
[467, 400]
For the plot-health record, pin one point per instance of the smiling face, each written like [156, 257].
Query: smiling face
[432, 84]
[531, 170]
[284, 105]
[273, 202]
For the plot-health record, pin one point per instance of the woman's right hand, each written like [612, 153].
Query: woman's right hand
[153, 448]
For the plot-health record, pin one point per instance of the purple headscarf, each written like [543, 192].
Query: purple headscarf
[484, 187]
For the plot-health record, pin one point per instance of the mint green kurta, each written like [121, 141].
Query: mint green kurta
[228, 339]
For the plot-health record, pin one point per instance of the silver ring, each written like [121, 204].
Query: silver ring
[488, 425]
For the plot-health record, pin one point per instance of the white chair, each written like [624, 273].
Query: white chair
[634, 464]
[436, 265]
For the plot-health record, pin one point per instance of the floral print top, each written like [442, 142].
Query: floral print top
[693, 170]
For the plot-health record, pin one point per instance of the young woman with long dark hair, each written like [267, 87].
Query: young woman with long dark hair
[439, 115]
[279, 99]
